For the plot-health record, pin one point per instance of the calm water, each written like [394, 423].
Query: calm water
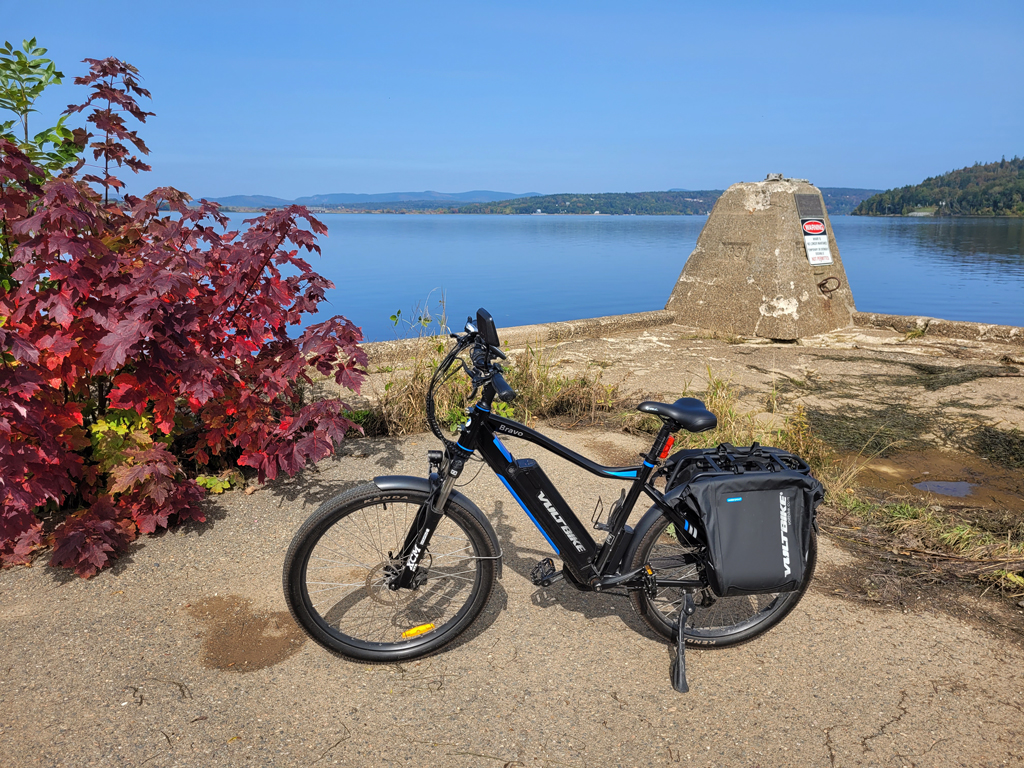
[534, 269]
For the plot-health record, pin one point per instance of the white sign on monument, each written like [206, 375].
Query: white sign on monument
[816, 241]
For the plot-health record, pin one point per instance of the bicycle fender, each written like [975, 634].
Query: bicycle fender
[640, 531]
[410, 483]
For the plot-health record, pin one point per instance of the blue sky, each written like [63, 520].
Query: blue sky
[299, 98]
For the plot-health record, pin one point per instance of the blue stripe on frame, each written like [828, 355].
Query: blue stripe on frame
[527, 511]
[503, 449]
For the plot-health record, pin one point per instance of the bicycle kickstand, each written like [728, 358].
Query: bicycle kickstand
[678, 669]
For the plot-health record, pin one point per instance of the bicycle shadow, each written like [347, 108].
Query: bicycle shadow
[589, 605]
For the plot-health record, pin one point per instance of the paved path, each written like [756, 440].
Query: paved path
[184, 655]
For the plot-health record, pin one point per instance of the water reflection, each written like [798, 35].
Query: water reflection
[956, 269]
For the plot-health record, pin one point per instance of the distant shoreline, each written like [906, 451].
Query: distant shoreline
[420, 212]
[677, 202]
[411, 212]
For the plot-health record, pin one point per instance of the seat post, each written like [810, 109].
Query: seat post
[659, 441]
[617, 521]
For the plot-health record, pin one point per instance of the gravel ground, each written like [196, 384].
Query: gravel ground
[184, 655]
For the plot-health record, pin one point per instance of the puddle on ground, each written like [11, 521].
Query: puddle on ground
[946, 488]
[239, 639]
[930, 471]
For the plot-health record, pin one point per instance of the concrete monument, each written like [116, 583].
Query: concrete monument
[766, 264]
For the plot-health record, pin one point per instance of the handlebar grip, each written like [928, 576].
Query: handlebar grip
[504, 392]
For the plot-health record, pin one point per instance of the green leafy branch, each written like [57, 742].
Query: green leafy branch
[24, 75]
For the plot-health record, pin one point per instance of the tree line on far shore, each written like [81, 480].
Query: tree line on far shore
[989, 189]
[620, 203]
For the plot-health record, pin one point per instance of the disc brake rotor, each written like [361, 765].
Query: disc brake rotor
[381, 575]
[377, 585]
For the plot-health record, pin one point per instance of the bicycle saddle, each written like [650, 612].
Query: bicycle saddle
[686, 412]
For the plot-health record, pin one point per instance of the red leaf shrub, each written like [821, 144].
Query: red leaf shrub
[138, 333]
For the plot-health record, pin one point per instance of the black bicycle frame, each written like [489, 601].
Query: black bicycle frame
[587, 561]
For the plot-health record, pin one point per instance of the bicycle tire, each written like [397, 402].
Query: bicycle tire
[717, 622]
[334, 585]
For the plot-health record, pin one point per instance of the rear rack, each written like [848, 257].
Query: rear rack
[724, 459]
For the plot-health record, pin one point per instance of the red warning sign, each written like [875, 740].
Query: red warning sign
[816, 241]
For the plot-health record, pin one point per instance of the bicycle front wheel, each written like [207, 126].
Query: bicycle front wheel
[718, 622]
[335, 576]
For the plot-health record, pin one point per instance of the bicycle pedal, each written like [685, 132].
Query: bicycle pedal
[650, 582]
[544, 573]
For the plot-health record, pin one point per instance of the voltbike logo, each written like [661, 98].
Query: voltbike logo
[558, 519]
[784, 521]
[814, 227]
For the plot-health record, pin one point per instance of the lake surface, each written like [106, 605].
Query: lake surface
[536, 269]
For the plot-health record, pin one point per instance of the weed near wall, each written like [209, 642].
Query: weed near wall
[543, 392]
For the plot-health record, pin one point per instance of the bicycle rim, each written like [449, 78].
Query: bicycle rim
[341, 571]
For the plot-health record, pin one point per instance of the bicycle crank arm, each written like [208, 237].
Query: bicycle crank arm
[641, 578]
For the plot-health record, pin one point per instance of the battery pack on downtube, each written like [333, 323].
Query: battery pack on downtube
[552, 515]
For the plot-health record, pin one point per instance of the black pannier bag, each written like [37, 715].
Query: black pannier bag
[756, 506]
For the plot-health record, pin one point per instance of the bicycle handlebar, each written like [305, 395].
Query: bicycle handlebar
[502, 389]
[483, 372]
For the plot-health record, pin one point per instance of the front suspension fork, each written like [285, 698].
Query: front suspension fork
[427, 519]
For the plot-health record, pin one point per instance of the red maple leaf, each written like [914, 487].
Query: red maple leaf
[114, 347]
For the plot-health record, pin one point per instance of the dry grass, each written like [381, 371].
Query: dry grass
[967, 543]
[400, 402]
[542, 393]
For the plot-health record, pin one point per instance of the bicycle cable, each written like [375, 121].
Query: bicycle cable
[440, 376]
[478, 460]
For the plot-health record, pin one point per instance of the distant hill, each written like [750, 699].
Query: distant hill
[251, 201]
[475, 196]
[349, 200]
[605, 202]
[990, 189]
[838, 201]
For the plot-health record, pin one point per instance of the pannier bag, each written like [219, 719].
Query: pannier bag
[756, 506]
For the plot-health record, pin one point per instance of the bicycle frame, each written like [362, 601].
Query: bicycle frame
[592, 565]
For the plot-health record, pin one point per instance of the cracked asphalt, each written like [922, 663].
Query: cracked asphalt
[183, 654]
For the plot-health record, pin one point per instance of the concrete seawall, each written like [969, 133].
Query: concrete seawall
[950, 329]
[381, 352]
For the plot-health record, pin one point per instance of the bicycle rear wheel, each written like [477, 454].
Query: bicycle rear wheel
[335, 576]
[718, 622]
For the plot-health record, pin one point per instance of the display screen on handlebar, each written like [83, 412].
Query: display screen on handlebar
[485, 326]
